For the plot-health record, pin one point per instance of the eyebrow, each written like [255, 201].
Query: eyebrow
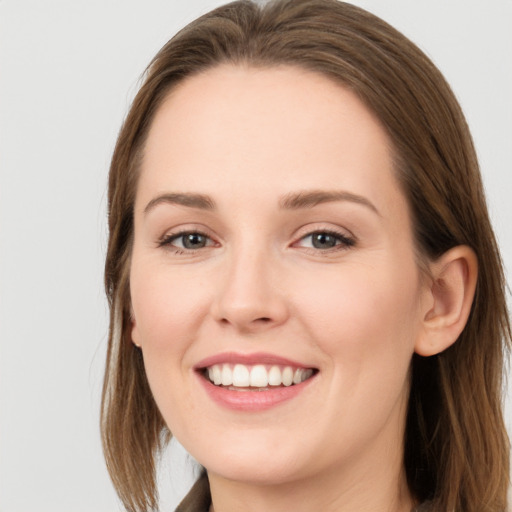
[292, 201]
[201, 201]
[310, 198]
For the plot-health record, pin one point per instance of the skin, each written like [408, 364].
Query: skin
[246, 138]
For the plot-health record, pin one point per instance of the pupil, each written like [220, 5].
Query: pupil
[193, 241]
[323, 241]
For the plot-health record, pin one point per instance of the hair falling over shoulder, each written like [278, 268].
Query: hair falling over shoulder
[456, 445]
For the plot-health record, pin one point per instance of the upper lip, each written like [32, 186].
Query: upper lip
[249, 359]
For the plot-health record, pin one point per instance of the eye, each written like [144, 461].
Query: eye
[326, 240]
[186, 241]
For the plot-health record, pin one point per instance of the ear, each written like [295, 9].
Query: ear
[451, 292]
[135, 331]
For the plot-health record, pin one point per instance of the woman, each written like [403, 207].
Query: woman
[304, 284]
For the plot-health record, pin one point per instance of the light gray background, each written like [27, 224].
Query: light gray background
[68, 70]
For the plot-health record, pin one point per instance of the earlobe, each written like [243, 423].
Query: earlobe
[452, 288]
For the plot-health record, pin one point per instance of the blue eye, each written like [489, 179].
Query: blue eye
[325, 240]
[193, 240]
[189, 240]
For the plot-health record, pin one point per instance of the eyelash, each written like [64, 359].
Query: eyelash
[167, 241]
[343, 242]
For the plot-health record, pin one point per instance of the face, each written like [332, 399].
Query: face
[273, 255]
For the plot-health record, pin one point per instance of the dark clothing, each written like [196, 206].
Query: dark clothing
[198, 499]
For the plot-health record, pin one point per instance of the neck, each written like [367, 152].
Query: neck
[374, 488]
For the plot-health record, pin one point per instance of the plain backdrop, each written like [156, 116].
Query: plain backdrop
[68, 71]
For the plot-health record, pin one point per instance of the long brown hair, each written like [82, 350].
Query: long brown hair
[456, 447]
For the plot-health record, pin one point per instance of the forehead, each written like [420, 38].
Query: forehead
[269, 130]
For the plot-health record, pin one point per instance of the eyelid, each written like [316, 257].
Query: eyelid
[345, 237]
[165, 241]
[320, 227]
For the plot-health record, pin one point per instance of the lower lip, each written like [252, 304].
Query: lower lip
[252, 400]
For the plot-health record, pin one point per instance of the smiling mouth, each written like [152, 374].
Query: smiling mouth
[259, 377]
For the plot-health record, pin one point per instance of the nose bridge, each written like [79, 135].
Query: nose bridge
[250, 298]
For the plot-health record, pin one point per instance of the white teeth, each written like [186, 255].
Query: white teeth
[240, 376]
[257, 376]
[287, 377]
[226, 375]
[217, 375]
[274, 376]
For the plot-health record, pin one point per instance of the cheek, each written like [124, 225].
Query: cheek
[167, 308]
[362, 314]
[365, 321]
[166, 305]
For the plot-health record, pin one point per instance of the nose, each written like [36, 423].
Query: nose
[250, 297]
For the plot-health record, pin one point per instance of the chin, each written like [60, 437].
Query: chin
[256, 473]
[252, 463]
